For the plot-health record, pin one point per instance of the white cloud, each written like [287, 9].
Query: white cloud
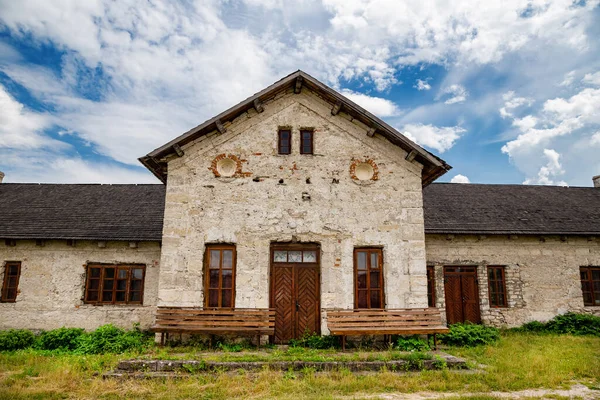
[422, 85]
[592, 79]
[595, 139]
[549, 172]
[512, 102]
[460, 179]
[437, 138]
[457, 93]
[22, 128]
[377, 105]
[569, 78]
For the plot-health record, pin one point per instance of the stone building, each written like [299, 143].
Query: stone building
[300, 200]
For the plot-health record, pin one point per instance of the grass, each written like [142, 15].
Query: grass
[518, 361]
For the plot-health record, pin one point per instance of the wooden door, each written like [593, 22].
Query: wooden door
[462, 294]
[295, 291]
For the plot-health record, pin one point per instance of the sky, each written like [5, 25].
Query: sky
[504, 91]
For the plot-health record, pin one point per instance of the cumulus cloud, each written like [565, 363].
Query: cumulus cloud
[434, 137]
[548, 173]
[377, 105]
[454, 93]
[422, 85]
[592, 79]
[569, 78]
[460, 179]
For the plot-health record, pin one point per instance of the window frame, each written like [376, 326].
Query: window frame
[279, 140]
[495, 284]
[5, 288]
[590, 280]
[101, 279]
[312, 141]
[369, 251]
[207, 288]
[431, 293]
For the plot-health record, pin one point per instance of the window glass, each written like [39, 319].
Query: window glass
[280, 256]
[295, 256]
[114, 284]
[497, 286]
[306, 142]
[220, 277]
[284, 142]
[369, 278]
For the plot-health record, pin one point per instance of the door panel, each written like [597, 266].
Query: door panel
[470, 298]
[283, 298]
[308, 300]
[454, 312]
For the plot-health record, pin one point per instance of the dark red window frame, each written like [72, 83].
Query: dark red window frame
[307, 141]
[590, 285]
[219, 276]
[10, 285]
[115, 284]
[368, 278]
[497, 286]
[431, 286]
[284, 141]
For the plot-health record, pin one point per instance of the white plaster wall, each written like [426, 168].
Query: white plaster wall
[52, 285]
[255, 210]
[542, 274]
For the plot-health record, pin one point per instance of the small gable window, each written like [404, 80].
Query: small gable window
[590, 285]
[306, 142]
[12, 273]
[497, 287]
[284, 141]
[115, 284]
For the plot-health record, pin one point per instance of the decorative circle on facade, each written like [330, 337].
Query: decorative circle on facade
[364, 171]
[226, 166]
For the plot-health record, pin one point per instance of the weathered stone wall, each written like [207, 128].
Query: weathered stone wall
[52, 284]
[280, 198]
[542, 274]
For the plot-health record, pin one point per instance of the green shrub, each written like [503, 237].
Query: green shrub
[16, 339]
[65, 339]
[314, 341]
[412, 343]
[110, 339]
[469, 335]
[575, 324]
[570, 323]
[533, 326]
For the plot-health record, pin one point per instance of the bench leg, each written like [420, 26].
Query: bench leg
[343, 342]
[162, 338]
[258, 342]
[435, 341]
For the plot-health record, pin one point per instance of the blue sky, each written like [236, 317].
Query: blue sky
[505, 93]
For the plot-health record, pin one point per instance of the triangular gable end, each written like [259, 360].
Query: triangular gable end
[433, 166]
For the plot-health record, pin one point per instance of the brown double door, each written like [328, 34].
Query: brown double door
[462, 294]
[295, 291]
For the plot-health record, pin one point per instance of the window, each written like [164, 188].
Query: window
[284, 141]
[115, 284]
[306, 142]
[368, 278]
[12, 272]
[497, 287]
[431, 286]
[590, 285]
[219, 277]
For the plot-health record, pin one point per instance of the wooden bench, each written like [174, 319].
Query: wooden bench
[238, 321]
[410, 321]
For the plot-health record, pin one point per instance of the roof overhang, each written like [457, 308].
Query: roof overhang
[433, 166]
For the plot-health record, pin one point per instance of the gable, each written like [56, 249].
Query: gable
[340, 106]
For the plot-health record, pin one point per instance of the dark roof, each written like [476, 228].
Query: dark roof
[93, 212]
[135, 212]
[511, 209]
[433, 166]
